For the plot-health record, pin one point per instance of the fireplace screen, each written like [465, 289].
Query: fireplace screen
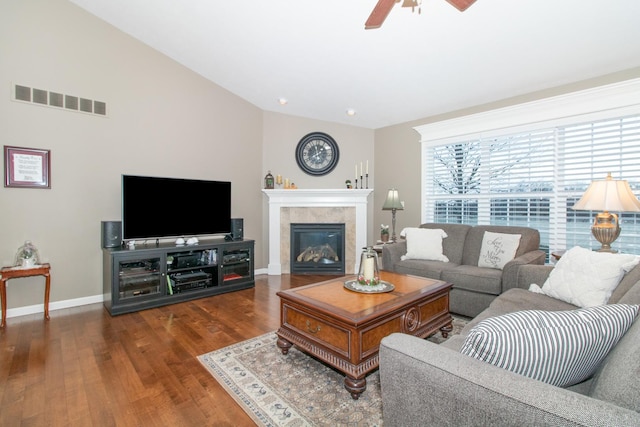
[317, 248]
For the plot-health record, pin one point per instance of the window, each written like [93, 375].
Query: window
[533, 177]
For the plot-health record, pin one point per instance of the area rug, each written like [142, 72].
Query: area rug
[296, 389]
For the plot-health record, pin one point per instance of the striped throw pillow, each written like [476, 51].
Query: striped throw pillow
[561, 348]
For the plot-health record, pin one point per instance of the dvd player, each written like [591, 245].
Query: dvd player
[191, 277]
[190, 281]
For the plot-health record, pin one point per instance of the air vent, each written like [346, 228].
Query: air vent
[40, 96]
[70, 102]
[59, 100]
[56, 99]
[86, 105]
[23, 93]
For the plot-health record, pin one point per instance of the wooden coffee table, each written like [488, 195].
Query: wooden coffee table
[343, 328]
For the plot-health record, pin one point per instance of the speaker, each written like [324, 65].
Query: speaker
[111, 234]
[237, 226]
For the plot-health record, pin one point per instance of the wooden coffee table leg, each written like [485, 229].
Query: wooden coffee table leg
[446, 329]
[355, 386]
[283, 345]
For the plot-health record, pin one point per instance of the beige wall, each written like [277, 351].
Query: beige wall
[281, 136]
[163, 120]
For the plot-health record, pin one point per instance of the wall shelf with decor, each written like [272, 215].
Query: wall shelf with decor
[152, 276]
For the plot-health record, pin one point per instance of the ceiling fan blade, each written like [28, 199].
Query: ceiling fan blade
[379, 14]
[461, 5]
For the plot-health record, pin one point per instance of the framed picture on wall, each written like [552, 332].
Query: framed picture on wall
[27, 167]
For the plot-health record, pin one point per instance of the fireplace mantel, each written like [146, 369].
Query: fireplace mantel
[313, 198]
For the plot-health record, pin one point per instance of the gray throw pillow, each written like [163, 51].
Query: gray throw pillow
[561, 348]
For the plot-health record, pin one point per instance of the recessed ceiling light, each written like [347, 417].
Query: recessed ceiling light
[282, 101]
[351, 112]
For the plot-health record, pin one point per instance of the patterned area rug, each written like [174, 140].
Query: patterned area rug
[296, 389]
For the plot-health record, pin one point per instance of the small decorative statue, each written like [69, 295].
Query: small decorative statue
[27, 256]
[384, 233]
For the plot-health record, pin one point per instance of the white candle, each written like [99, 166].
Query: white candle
[360, 168]
[368, 268]
[356, 171]
[367, 167]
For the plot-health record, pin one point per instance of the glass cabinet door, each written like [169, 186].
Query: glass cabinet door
[236, 265]
[139, 278]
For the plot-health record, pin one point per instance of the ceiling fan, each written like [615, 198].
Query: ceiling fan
[383, 7]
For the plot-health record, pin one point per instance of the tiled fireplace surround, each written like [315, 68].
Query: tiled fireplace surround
[316, 206]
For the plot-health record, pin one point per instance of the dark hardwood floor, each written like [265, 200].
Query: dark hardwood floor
[86, 368]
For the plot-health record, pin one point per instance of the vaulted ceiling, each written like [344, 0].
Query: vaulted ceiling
[434, 59]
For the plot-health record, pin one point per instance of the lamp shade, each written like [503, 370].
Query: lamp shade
[608, 195]
[392, 201]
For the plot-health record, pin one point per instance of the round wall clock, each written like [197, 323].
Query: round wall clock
[317, 153]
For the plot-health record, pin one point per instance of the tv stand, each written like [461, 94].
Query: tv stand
[154, 275]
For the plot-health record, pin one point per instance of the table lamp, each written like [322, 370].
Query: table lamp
[393, 204]
[607, 195]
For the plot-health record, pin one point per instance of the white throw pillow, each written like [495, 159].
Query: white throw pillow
[424, 243]
[561, 348]
[498, 249]
[586, 278]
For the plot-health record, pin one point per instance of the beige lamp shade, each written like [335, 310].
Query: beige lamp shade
[392, 201]
[608, 195]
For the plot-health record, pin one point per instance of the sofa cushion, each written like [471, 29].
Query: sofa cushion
[561, 348]
[498, 249]
[473, 278]
[422, 268]
[423, 243]
[453, 245]
[632, 296]
[530, 240]
[616, 380]
[586, 278]
[627, 284]
[521, 299]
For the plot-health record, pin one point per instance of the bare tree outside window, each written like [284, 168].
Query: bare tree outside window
[462, 162]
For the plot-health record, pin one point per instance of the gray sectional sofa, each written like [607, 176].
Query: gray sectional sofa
[428, 384]
[473, 287]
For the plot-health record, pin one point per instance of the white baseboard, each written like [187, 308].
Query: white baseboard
[59, 305]
[56, 305]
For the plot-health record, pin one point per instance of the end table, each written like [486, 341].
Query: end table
[15, 272]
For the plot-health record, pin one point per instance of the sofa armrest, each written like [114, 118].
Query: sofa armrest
[391, 254]
[528, 274]
[426, 384]
[510, 269]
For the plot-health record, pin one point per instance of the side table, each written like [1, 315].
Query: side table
[15, 272]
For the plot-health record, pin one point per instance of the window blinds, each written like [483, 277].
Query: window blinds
[533, 179]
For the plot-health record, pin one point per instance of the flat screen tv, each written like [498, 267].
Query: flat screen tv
[155, 207]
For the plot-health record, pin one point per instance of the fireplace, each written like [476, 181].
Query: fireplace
[317, 248]
[315, 205]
